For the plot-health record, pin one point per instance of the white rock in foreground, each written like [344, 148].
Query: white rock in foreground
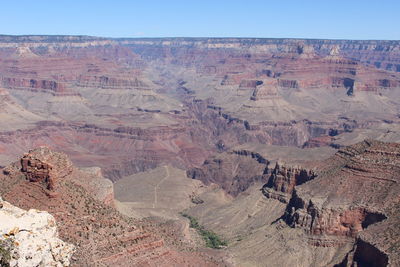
[33, 237]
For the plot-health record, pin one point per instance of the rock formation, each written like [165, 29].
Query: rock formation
[44, 166]
[342, 211]
[48, 86]
[355, 192]
[233, 171]
[86, 218]
[30, 238]
[283, 180]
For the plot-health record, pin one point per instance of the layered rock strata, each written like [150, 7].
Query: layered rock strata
[166, 99]
[354, 196]
[283, 180]
[36, 167]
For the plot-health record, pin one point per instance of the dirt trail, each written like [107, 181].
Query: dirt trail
[158, 184]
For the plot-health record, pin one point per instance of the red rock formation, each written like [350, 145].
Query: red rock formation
[53, 87]
[37, 171]
[283, 180]
[37, 167]
[357, 188]
[105, 82]
[337, 222]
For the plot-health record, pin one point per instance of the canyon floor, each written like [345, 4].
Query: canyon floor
[141, 149]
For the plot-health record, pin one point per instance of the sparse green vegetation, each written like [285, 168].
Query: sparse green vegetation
[212, 239]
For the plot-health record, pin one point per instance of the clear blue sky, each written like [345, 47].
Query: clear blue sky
[336, 19]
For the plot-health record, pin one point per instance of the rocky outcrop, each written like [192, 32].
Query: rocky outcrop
[254, 155]
[35, 169]
[44, 166]
[291, 84]
[283, 180]
[48, 168]
[355, 195]
[47, 86]
[105, 82]
[30, 238]
[330, 221]
[38, 171]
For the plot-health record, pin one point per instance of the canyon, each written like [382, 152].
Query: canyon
[286, 148]
[82, 204]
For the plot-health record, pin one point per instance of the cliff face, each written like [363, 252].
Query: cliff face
[34, 85]
[342, 211]
[233, 171]
[354, 195]
[383, 54]
[331, 221]
[44, 166]
[283, 180]
[105, 82]
[30, 238]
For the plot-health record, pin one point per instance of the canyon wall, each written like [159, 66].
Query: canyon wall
[353, 195]
[180, 100]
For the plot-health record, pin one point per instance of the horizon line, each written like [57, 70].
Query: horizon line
[189, 37]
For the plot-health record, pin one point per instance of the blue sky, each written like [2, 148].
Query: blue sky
[340, 19]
